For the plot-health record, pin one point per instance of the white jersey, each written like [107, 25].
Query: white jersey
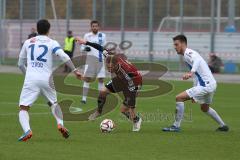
[39, 52]
[203, 75]
[99, 38]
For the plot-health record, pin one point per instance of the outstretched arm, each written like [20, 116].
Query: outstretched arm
[94, 45]
[65, 58]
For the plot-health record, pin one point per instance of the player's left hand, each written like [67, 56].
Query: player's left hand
[187, 75]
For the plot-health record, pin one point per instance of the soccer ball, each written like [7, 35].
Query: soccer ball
[107, 125]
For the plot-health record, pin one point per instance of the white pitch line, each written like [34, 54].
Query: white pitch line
[72, 109]
[15, 114]
[13, 103]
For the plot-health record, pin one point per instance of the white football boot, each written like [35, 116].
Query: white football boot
[137, 125]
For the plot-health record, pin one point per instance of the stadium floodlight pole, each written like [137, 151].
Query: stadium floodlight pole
[200, 12]
[199, 8]
[68, 14]
[212, 29]
[1, 32]
[136, 14]
[3, 9]
[150, 29]
[21, 19]
[181, 31]
[218, 15]
[231, 12]
[55, 16]
[181, 16]
[122, 19]
[103, 13]
[168, 8]
[36, 10]
[42, 4]
[94, 9]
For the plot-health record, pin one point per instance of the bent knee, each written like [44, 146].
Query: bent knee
[204, 107]
[101, 80]
[88, 79]
[26, 108]
[179, 98]
[103, 93]
[124, 109]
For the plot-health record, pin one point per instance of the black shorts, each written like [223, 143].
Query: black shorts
[117, 85]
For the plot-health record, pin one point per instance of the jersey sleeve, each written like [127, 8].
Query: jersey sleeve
[62, 55]
[195, 62]
[82, 47]
[85, 37]
[104, 40]
[23, 58]
[56, 48]
[23, 52]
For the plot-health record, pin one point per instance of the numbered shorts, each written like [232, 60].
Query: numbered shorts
[94, 68]
[201, 94]
[32, 90]
[116, 85]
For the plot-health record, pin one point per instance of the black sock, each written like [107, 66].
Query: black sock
[127, 114]
[136, 119]
[101, 102]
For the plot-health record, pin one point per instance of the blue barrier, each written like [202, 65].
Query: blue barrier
[230, 67]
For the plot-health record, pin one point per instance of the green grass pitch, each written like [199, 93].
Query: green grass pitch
[197, 140]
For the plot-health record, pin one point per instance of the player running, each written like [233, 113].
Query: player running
[204, 85]
[35, 61]
[127, 80]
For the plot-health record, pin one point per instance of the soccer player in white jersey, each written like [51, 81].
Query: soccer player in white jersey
[35, 61]
[204, 85]
[94, 66]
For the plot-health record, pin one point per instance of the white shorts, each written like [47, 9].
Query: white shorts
[202, 95]
[94, 68]
[32, 90]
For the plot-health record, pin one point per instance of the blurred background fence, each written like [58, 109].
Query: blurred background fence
[212, 26]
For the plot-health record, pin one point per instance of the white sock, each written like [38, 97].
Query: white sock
[24, 120]
[100, 86]
[57, 113]
[179, 113]
[212, 113]
[85, 91]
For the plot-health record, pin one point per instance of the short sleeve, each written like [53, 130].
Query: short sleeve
[104, 40]
[55, 47]
[85, 37]
[23, 52]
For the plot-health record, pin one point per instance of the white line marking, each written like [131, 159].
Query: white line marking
[71, 109]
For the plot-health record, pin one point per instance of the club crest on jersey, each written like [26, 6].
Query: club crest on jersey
[189, 54]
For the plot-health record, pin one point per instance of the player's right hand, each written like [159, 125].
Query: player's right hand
[193, 101]
[78, 74]
[80, 40]
[187, 75]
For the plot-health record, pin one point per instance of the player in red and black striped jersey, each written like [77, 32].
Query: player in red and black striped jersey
[127, 79]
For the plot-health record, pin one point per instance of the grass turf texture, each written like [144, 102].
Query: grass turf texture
[197, 140]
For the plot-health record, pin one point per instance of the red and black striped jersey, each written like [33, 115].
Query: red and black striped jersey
[128, 73]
